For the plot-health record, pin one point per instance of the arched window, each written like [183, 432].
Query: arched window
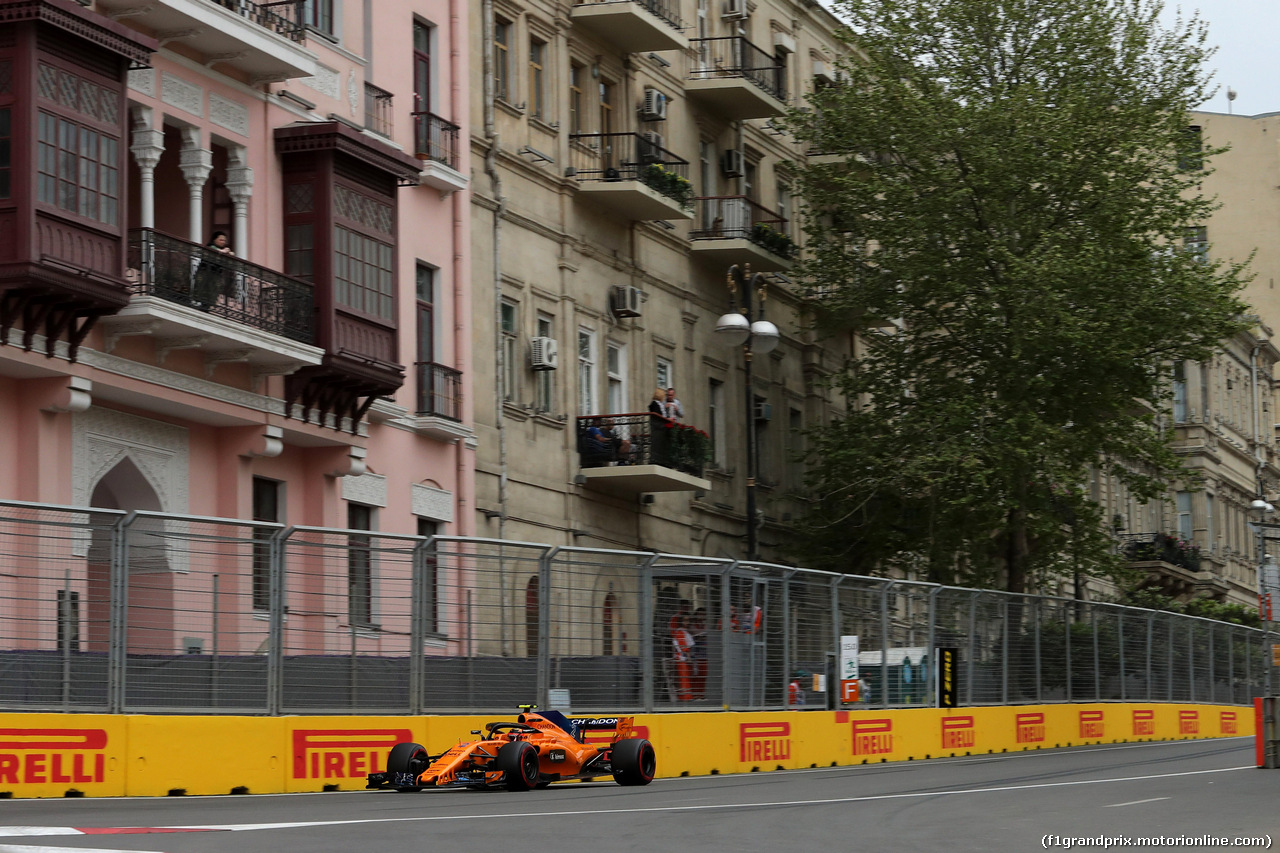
[531, 617]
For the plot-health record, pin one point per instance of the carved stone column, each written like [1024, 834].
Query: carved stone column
[196, 164]
[146, 148]
[240, 188]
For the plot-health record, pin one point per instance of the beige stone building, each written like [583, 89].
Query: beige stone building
[625, 156]
[1224, 410]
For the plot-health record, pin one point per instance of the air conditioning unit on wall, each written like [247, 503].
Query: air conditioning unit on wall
[544, 353]
[763, 411]
[626, 301]
[733, 164]
[654, 107]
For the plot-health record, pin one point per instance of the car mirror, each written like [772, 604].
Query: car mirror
[475, 731]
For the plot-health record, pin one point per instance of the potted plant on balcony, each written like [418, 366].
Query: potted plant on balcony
[671, 184]
[764, 234]
[687, 447]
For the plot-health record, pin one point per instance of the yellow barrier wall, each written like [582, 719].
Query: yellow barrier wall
[47, 755]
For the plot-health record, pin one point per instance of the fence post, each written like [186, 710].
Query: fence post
[544, 626]
[1097, 657]
[117, 647]
[423, 554]
[834, 691]
[884, 643]
[646, 634]
[932, 650]
[971, 652]
[1124, 672]
[1213, 670]
[1191, 662]
[275, 620]
[1151, 633]
[1035, 617]
[1004, 653]
[786, 638]
[1067, 622]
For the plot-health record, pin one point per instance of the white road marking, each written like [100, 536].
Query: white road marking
[39, 830]
[1136, 802]
[21, 848]
[246, 827]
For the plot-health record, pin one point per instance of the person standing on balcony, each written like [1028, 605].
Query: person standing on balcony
[212, 278]
[674, 410]
[658, 405]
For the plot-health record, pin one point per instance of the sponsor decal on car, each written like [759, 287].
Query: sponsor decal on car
[605, 734]
[343, 753]
[764, 741]
[58, 756]
[1092, 724]
[958, 732]
[1144, 721]
[872, 737]
[1029, 728]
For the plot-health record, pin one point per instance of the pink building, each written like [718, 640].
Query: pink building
[319, 375]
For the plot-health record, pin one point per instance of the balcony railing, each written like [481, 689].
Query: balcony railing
[435, 138]
[641, 439]
[738, 217]
[667, 10]
[283, 17]
[377, 110]
[223, 285]
[734, 56]
[1161, 547]
[630, 157]
[439, 391]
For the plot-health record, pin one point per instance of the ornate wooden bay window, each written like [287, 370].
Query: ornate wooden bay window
[64, 121]
[340, 234]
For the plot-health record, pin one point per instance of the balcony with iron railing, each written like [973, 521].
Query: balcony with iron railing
[632, 174]
[731, 76]
[439, 405]
[633, 26]
[262, 40]
[641, 452]
[377, 110]
[435, 143]
[735, 229]
[1173, 565]
[187, 296]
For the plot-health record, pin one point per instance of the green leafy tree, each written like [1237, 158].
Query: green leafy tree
[1005, 232]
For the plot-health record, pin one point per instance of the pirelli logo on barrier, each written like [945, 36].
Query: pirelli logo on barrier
[52, 756]
[1188, 722]
[958, 732]
[1093, 724]
[872, 737]
[1029, 728]
[1227, 723]
[343, 753]
[764, 741]
[1144, 721]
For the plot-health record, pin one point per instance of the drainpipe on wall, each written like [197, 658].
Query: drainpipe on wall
[1259, 451]
[491, 169]
[464, 454]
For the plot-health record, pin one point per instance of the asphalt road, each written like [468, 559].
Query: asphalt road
[1004, 802]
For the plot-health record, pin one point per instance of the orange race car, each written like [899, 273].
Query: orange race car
[532, 752]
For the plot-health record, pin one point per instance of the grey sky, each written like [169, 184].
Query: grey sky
[1247, 61]
[1244, 31]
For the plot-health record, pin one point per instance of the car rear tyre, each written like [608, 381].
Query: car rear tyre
[634, 762]
[407, 758]
[518, 762]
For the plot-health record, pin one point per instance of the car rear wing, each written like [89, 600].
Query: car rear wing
[624, 726]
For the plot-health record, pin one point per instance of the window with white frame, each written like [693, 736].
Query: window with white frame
[510, 349]
[1208, 522]
[1180, 392]
[666, 373]
[1185, 527]
[502, 32]
[360, 566]
[544, 392]
[586, 372]
[615, 363]
[537, 78]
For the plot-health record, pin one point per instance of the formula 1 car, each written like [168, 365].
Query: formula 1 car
[532, 752]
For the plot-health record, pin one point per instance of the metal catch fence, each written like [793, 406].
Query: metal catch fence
[133, 612]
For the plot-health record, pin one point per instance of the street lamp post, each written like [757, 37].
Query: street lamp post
[755, 335]
[1261, 510]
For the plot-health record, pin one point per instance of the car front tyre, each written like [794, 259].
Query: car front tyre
[518, 762]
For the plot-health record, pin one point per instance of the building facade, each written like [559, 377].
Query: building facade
[626, 156]
[309, 367]
[1223, 410]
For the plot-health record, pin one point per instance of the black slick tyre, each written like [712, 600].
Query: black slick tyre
[407, 758]
[634, 762]
[518, 762]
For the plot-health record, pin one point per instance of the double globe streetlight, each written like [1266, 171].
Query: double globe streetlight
[1268, 579]
[755, 335]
